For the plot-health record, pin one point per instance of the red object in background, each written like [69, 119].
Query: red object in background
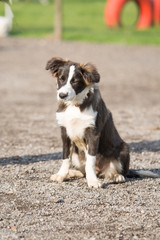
[147, 13]
[156, 12]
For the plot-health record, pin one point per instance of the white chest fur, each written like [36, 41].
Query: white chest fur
[76, 121]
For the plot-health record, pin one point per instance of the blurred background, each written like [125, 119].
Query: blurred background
[127, 56]
[81, 20]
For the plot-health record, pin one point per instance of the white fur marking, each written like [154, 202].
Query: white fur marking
[119, 178]
[114, 169]
[71, 72]
[67, 88]
[75, 173]
[65, 167]
[115, 166]
[75, 161]
[76, 121]
[79, 98]
[91, 172]
[63, 171]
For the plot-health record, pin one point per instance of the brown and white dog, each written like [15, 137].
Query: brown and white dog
[91, 144]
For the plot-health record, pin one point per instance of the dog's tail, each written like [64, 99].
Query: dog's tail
[142, 174]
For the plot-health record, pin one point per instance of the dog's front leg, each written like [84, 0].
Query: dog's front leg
[92, 147]
[91, 177]
[64, 170]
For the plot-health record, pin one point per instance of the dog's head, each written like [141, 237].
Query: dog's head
[72, 78]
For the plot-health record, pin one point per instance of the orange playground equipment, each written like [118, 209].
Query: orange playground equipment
[149, 12]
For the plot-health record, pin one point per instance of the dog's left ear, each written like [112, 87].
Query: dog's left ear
[90, 73]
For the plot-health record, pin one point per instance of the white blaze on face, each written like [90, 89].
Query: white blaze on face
[71, 72]
[67, 88]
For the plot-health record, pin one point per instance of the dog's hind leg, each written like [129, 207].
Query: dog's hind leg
[118, 168]
[124, 158]
[118, 178]
[75, 174]
[113, 172]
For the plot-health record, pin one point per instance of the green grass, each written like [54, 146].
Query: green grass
[83, 20]
[31, 19]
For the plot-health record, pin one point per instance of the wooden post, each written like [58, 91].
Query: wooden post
[58, 20]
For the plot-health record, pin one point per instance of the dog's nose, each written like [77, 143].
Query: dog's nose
[63, 95]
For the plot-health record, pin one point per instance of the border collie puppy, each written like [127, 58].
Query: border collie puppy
[91, 144]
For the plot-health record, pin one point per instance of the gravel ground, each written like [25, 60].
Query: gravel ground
[32, 207]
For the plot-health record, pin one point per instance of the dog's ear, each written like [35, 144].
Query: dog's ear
[90, 73]
[54, 64]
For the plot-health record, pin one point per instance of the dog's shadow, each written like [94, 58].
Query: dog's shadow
[135, 147]
[27, 159]
[145, 146]
[106, 184]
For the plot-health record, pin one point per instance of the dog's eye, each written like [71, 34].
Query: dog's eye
[74, 80]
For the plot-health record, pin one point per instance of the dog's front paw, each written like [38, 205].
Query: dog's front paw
[93, 183]
[57, 178]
